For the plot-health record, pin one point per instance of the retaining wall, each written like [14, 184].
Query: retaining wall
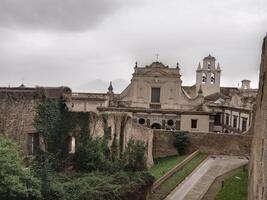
[208, 143]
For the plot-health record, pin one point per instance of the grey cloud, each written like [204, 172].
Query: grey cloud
[55, 14]
[179, 30]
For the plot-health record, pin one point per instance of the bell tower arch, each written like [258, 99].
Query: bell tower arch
[208, 76]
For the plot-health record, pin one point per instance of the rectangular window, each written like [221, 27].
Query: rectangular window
[227, 119]
[193, 123]
[33, 143]
[217, 119]
[109, 132]
[72, 144]
[155, 95]
[235, 122]
[244, 124]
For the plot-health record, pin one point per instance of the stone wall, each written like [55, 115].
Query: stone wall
[258, 164]
[209, 143]
[138, 132]
[163, 144]
[18, 110]
[121, 128]
[220, 144]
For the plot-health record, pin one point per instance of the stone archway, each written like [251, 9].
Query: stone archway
[156, 126]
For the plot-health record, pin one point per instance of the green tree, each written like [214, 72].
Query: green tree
[16, 181]
[181, 142]
[89, 155]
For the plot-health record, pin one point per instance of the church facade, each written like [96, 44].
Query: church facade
[156, 98]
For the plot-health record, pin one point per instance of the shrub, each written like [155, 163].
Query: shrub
[16, 182]
[98, 185]
[89, 155]
[181, 142]
[134, 156]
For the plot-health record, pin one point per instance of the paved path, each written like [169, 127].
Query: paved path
[197, 184]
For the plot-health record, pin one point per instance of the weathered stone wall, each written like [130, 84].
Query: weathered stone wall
[18, 110]
[258, 164]
[209, 143]
[138, 132]
[163, 144]
[121, 128]
[220, 144]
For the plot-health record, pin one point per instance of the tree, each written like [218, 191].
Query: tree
[89, 155]
[16, 181]
[181, 142]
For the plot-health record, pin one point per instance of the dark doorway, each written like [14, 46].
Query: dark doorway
[217, 119]
[226, 131]
[156, 126]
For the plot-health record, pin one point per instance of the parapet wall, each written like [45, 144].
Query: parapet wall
[209, 143]
[258, 164]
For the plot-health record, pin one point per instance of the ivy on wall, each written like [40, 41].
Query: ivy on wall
[92, 163]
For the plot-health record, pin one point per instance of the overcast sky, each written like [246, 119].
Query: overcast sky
[72, 42]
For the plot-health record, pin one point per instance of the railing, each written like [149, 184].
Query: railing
[155, 105]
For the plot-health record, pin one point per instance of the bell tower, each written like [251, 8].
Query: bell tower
[208, 76]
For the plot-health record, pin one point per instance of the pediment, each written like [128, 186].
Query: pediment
[157, 72]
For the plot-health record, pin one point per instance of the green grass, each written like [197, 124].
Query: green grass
[235, 187]
[163, 190]
[163, 165]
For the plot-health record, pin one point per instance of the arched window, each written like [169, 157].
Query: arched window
[156, 126]
[212, 78]
[204, 78]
